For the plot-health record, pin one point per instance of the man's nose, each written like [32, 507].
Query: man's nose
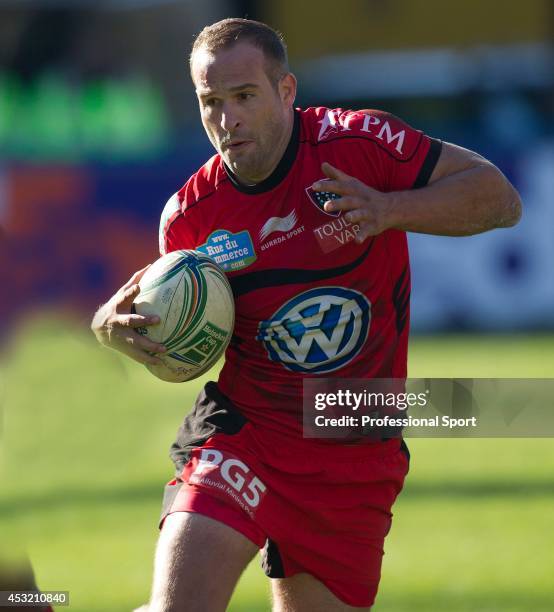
[229, 119]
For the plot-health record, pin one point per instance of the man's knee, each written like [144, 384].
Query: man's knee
[198, 563]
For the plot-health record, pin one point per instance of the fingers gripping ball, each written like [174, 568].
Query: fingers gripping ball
[192, 297]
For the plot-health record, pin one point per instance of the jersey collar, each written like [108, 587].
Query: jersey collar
[280, 171]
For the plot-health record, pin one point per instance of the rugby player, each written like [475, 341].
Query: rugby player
[306, 210]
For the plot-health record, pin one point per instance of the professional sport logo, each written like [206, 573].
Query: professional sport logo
[317, 331]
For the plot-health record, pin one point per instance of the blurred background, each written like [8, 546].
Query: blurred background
[99, 126]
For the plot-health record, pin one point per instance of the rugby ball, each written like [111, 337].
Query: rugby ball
[192, 296]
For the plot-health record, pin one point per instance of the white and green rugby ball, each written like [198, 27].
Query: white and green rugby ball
[192, 296]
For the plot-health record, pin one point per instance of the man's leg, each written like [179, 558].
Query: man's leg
[198, 564]
[303, 592]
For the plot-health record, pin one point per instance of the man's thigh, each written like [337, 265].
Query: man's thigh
[198, 564]
[303, 592]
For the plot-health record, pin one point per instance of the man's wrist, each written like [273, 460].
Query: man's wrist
[395, 210]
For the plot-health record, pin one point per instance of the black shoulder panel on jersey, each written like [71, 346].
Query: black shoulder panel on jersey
[261, 279]
[429, 164]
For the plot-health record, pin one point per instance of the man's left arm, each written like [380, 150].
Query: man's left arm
[466, 195]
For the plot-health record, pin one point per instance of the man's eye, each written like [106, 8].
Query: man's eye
[245, 96]
[210, 102]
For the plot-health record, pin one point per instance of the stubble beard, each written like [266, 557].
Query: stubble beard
[261, 161]
[246, 167]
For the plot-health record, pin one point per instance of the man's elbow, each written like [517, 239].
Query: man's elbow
[512, 208]
[509, 200]
[514, 211]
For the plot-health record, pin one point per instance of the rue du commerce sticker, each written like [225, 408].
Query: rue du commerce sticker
[230, 251]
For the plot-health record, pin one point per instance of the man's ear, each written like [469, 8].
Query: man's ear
[287, 89]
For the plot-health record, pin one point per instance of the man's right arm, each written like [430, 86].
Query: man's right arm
[114, 324]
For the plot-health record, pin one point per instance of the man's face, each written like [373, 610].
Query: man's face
[246, 117]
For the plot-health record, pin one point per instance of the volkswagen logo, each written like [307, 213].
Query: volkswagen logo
[319, 330]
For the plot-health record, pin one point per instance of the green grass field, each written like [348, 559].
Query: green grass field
[85, 441]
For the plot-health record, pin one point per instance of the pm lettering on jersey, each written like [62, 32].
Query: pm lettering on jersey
[319, 330]
[227, 476]
[230, 251]
[384, 129]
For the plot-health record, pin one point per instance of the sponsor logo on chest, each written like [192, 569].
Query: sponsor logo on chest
[232, 251]
[319, 330]
[335, 233]
[334, 122]
[284, 228]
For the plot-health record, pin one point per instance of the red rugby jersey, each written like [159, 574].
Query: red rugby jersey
[310, 301]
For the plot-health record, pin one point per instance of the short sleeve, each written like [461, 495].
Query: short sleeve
[403, 157]
[174, 233]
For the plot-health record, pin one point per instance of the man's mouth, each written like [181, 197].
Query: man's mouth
[237, 144]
